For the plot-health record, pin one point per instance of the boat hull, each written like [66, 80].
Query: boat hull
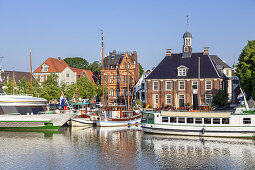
[107, 122]
[228, 131]
[34, 122]
[82, 122]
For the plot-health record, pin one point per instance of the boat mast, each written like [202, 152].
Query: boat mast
[128, 82]
[102, 71]
[31, 73]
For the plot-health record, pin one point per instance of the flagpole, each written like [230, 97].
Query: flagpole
[31, 73]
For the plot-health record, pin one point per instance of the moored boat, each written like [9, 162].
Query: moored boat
[29, 113]
[115, 115]
[224, 124]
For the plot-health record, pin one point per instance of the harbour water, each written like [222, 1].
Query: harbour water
[121, 148]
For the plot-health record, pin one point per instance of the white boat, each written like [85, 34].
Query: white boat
[115, 115]
[217, 124]
[29, 113]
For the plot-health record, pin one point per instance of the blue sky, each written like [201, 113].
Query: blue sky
[59, 28]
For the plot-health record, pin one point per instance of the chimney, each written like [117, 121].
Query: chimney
[206, 51]
[59, 58]
[168, 52]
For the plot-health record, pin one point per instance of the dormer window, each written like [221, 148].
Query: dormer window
[182, 70]
[45, 68]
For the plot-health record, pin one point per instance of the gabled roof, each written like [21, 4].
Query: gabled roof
[167, 68]
[18, 75]
[219, 62]
[114, 58]
[80, 72]
[55, 65]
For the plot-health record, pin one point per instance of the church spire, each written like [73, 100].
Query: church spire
[187, 46]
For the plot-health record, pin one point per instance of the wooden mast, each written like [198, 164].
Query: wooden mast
[13, 82]
[102, 71]
[31, 73]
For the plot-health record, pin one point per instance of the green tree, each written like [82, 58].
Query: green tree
[50, 89]
[77, 62]
[220, 99]
[95, 66]
[86, 88]
[8, 86]
[141, 71]
[246, 69]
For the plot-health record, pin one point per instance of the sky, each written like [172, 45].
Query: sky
[71, 28]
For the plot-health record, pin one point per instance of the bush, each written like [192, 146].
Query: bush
[220, 99]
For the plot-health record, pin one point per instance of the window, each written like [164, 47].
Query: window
[118, 92]
[111, 79]
[118, 79]
[208, 85]
[181, 120]
[246, 120]
[207, 120]
[142, 96]
[194, 85]
[168, 85]
[41, 78]
[181, 85]
[208, 99]
[125, 65]
[172, 119]
[182, 71]
[111, 92]
[181, 100]
[128, 65]
[106, 79]
[225, 120]
[45, 68]
[156, 99]
[216, 120]
[198, 120]
[142, 86]
[168, 99]
[155, 85]
[190, 120]
[164, 119]
[67, 75]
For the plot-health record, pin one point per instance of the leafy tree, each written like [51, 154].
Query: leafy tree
[141, 71]
[86, 88]
[77, 62]
[50, 89]
[95, 66]
[246, 69]
[8, 86]
[220, 99]
[100, 91]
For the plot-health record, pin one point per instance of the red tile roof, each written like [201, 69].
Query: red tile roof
[55, 65]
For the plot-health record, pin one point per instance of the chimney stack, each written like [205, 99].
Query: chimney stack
[59, 58]
[206, 51]
[168, 52]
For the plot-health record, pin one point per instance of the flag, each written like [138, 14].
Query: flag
[62, 101]
[147, 105]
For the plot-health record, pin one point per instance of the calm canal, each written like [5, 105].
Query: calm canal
[121, 148]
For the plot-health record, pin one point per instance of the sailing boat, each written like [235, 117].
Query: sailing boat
[117, 115]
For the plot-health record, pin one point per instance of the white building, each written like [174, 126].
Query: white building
[140, 88]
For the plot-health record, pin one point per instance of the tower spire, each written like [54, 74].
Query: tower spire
[187, 22]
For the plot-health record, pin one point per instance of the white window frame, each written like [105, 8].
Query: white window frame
[208, 98]
[156, 99]
[167, 95]
[170, 85]
[182, 72]
[45, 68]
[206, 85]
[180, 85]
[42, 78]
[67, 75]
[154, 86]
[193, 84]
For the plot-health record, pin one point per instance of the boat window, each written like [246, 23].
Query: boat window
[225, 120]
[190, 120]
[24, 110]
[144, 118]
[172, 119]
[181, 120]
[9, 109]
[207, 121]
[164, 119]
[150, 116]
[216, 120]
[246, 120]
[198, 120]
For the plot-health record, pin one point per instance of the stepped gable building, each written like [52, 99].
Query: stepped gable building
[121, 72]
[187, 78]
[65, 73]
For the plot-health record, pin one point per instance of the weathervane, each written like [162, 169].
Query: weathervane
[187, 22]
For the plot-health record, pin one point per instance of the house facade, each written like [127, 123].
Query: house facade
[65, 73]
[121, 72]
[187, 78]
[140, 88]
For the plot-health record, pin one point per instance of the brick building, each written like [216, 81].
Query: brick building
[121, 72]
[187, 77]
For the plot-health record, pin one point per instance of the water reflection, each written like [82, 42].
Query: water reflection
[199, 153]
[120, 148]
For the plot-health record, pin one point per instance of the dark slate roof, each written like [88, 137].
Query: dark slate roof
[167, 68]
[114, 58]
[187, 35]
[17, 74]
[219, 62]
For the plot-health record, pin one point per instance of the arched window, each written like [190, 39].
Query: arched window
[111, 92]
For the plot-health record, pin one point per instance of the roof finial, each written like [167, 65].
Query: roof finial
[187, 22]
